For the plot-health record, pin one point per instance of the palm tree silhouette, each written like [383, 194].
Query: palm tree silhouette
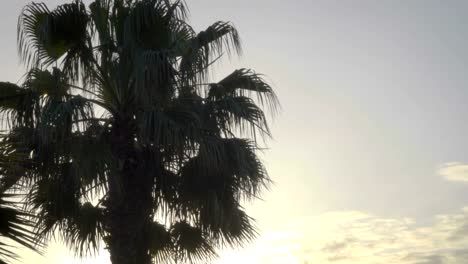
[123, 136]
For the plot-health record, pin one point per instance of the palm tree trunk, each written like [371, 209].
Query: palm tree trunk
[128, 227]
[129, 203]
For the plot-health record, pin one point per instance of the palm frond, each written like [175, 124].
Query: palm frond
[44, 36]
[30, 34]
[149, 24]
[92, 160]
[224, 167]
[233, 227]
[237, 113]
[100, 12]
[15, 148]
[191, 244]
[54, 199]
[85, 231]
[43, 82]
[59, 119]
[119, 14]
[11, 95]
[202, 49]
[173, 128]
[61, 215]
[17, 105]
[154, 77]
[15, 226]
[244, 82]
[160, 241]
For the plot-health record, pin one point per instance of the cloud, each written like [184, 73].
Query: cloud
[336, 246]
[360, 238]
[454, 171]
[425, 259]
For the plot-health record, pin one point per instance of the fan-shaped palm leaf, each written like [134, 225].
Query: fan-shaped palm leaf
[44, 36]
[207, 45]
[16, 226]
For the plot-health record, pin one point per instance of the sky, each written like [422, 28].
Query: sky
[370, 151]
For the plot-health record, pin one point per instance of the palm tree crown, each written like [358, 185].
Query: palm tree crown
[123, 136]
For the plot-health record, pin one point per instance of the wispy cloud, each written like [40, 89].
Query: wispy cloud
[454, 171]
[357, 237]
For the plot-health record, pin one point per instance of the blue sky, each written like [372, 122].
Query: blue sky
[373, 127]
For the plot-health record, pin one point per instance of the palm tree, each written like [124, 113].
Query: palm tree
[124, 137]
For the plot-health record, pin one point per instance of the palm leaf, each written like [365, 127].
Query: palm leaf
[10, 96]
[43, 82]
[85, 230]
[92, 160]
[161, 244]
[207, 45]
[191, 244]
[175, 128]
[59, 118]
[44, 36]
[18, 105]
[245, 80]
[100, 12]
[15, 149]
[15, 226]
[148, 25]
[237, 113]
[154, 77]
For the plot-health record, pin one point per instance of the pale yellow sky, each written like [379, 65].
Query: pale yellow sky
[370, 151]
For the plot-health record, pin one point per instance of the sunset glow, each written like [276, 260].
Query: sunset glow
[369, 154]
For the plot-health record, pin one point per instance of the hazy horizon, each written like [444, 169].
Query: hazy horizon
[370, 154]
